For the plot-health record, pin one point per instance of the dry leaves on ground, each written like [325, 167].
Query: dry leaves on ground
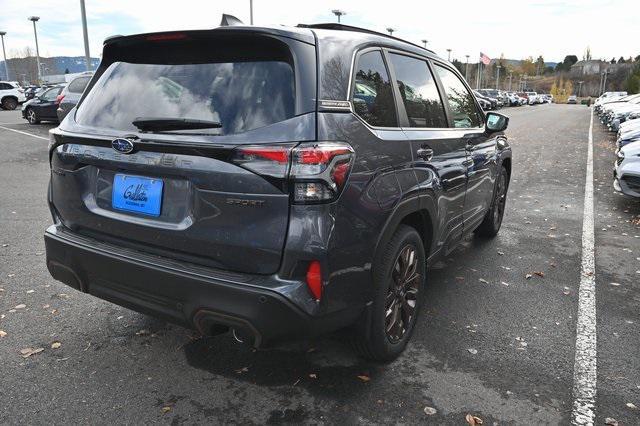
[473, 420]
[27, 352]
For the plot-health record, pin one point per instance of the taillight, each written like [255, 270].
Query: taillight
[319, 171]
[59, 99]
[265, 160]
[314, 279]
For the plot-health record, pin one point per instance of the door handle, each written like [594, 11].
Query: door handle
[470, 147]
[425, 153]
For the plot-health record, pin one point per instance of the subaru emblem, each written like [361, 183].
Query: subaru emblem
[122, 145]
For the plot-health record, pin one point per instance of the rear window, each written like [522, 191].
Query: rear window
[240, 95]
[78, 85]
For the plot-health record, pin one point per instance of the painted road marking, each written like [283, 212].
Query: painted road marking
[24, 133]
[584, 370]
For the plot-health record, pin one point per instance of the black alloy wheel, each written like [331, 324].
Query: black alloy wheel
[402, 295]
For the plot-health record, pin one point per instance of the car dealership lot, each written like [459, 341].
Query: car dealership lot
[491, 342]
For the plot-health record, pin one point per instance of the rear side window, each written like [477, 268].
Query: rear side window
[78, 85]
[242, 95]
[419, 92]
[460, 100]
[372, 94]
[5, 86]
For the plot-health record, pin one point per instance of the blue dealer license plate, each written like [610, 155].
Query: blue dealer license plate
[137, 194]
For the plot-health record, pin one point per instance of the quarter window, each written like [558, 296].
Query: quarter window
[461, 102]
[419, 92]
[78, 85]
[372, 94]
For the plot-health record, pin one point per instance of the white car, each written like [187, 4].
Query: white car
[533, 98]
[11, 94]
[626, 173]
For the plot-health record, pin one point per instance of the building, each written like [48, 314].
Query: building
[591, 67]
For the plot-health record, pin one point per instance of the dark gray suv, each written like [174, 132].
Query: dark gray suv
[278, 182]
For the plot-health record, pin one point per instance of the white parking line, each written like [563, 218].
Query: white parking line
[584, 370]
[24, 133]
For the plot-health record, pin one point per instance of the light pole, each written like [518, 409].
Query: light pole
[35, 19]
[580, 87]
[391, 30]
[466, 70]
[251, 12]
[338, 13]
[604, 83]
[4, 54]
[85, 34]
[449, 55]
[498, 77]
[425, 41]
[510, 78]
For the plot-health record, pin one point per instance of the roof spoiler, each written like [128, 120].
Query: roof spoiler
[230, 21]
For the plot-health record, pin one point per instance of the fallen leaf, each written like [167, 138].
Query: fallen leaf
[30, 291]
[505, 284]
[430, 411]
[539, 273]
[631, 405]
[143, 332]
[566, 291]
[472, 351]
[20, 306]
[482, 280]
[501, 253]
[242, 370]
[55, 344]
[473, 420]
[610, 421]
[364, 378]
[615, 284]
[166, 409]
[528, 276]
[27, 352]
[313, 376]
[3, 333]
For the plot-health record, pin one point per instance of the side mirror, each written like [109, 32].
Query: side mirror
[496, 122]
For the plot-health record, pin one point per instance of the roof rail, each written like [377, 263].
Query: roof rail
[341, 27]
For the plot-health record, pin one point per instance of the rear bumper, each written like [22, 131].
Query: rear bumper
[258, 307]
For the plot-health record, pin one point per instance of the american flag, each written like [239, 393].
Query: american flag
[484, 59]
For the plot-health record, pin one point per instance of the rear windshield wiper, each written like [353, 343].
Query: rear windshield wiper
[159, 124]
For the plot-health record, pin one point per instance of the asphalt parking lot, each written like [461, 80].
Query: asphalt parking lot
[496, 340]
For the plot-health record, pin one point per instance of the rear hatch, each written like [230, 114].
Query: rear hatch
[207, 193]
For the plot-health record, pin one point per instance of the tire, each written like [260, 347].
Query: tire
[493, 219]
[379, 337]
[32, 116]
[9, 103]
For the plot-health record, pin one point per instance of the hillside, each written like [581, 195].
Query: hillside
[25, 69]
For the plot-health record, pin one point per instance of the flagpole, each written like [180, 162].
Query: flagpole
[478, 75]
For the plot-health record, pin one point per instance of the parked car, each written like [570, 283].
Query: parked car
[532, 98]
[11, 95]
[626, 172]
[629, 131]
[71, 94]
[236, 188]
[573, 99]
[30, 92]
[494, 94]
[617, 111]
[493, 102]
[43, 107]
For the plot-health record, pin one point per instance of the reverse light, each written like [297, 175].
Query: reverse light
[314, 279]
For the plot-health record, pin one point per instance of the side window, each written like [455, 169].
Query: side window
[78, 85]
[5, 86]
[51, 94]
[461, 102]
[372, 94]
[419, 92]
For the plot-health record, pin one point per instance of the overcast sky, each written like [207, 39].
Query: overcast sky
[520, 28]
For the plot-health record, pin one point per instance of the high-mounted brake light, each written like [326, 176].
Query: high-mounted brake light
[314, 279]
[166, 36]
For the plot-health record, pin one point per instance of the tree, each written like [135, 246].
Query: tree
[66, 70]
[587, 54]
[565, 65]
[527, 66]
[539, 65]
[613, 60]
[621, 60]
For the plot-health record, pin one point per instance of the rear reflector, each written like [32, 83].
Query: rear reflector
[314, 279]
